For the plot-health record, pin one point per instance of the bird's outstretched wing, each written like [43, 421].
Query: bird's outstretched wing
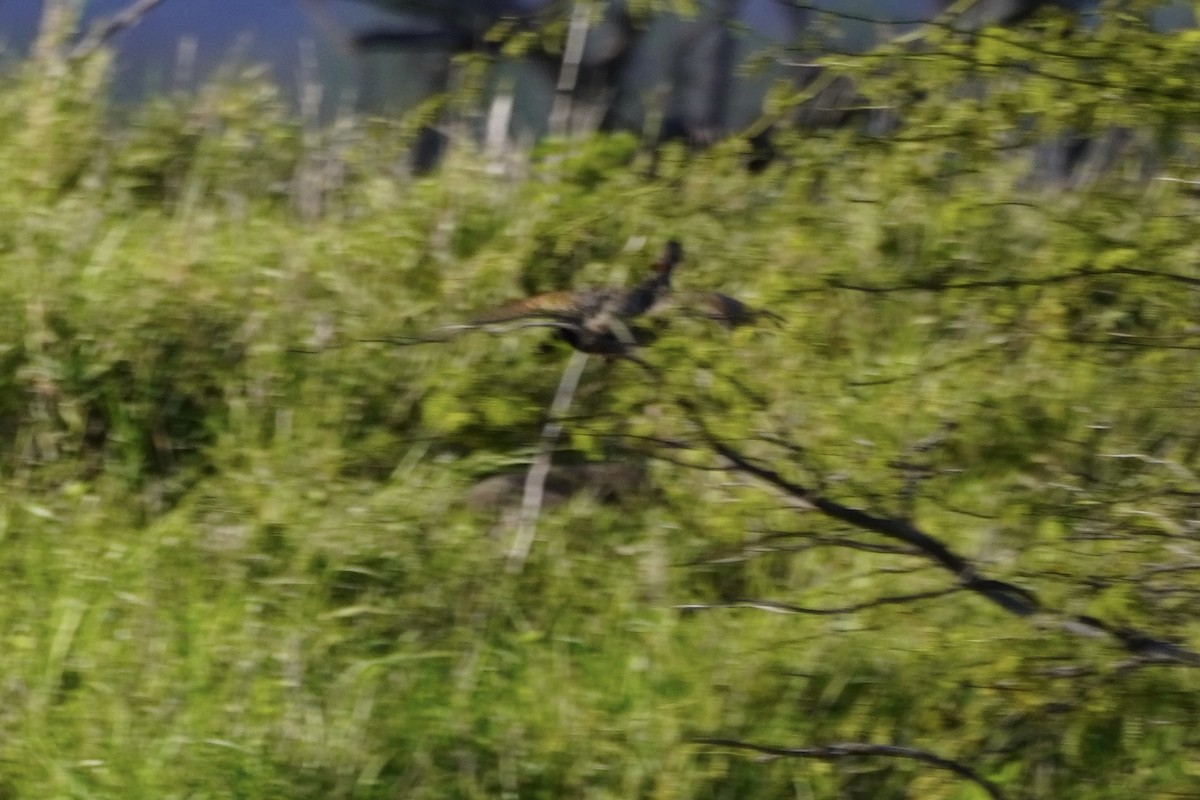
[564, 305]
[556, 310]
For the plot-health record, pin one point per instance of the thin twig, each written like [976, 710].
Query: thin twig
[535, 480]
[1005, 283]
[787, 608]
[109, 27]
[762, 546]
[860, 749]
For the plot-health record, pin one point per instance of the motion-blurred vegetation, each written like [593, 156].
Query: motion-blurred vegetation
[232, 568]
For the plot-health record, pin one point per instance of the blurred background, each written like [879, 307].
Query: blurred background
[250, 546]
[391, 54]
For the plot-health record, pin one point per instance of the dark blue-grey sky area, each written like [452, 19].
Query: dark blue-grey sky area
[276, 32]
[271, 31]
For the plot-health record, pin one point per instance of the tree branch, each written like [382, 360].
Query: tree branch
[763, 546]
[535, 480]
[109, 27]
[1008, 283]
[1012, 598]
[785, 608]
[860, 750]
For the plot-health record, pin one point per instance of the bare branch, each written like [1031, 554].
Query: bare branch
[109, 27]
[535, 480]
[862, 750]
[785, 608]
[763, 546]
[1184, 181]
[1115, 340]
[932, 368]
[1014, 599]
[892, 528]
[1009, 283]
[1145, 647]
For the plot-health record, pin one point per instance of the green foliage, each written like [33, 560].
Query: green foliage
[236, 568]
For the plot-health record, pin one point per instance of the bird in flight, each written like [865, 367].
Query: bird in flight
[592, 320]
[600, 320]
